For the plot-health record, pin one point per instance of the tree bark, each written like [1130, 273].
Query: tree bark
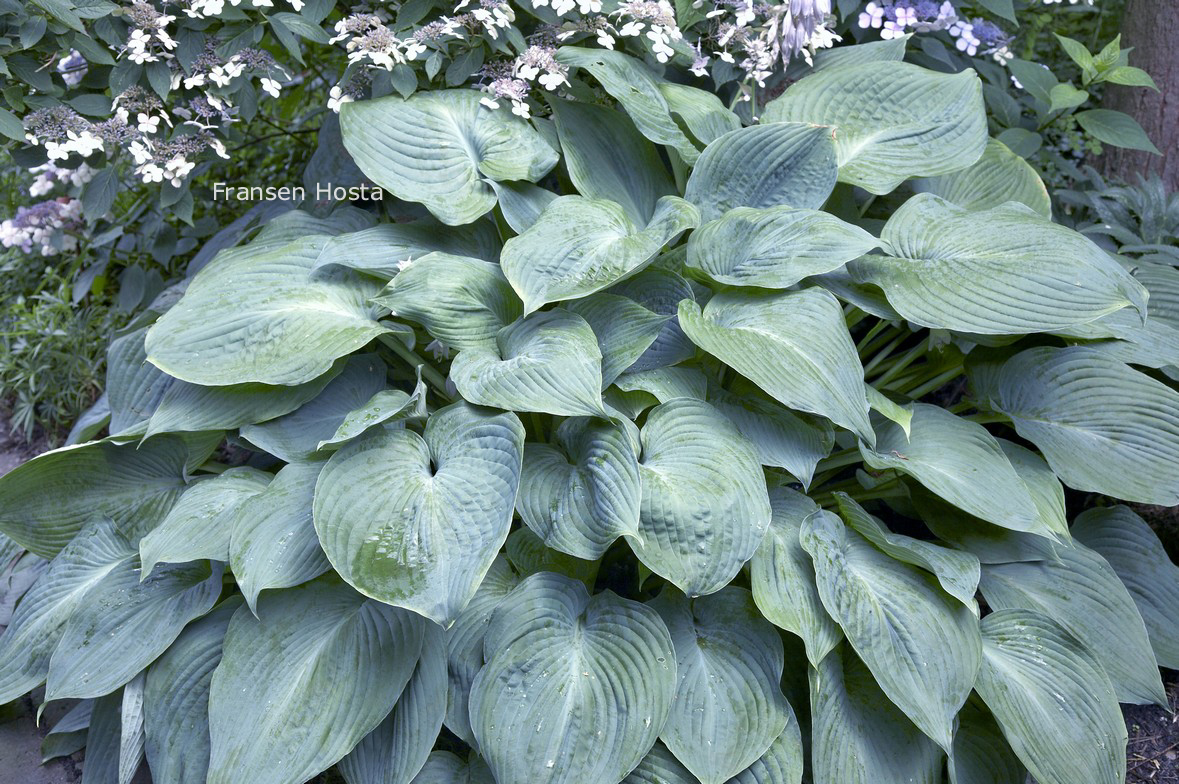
[1151, 27]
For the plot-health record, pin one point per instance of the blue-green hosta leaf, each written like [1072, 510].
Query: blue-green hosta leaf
[46, 501]
[783, 761]
[528, 555]
[893, 120]
[666, 384]
[624, 329]
[416, 521]
[1162, 281]
[857, 735]
[134, 386]
[131, 732]
[69, 734]
[775, 247]
[888, 50]
[632, 84]
[103, 740]
[547, 362]
[989, 543]
[464, 645]
[960, 461]
[889, 409]
[783, 438]
[1052, 699]
[388, 405]
[774, 165]
[521, 203]
[660, 291]
[1003, 271]
[608, 158]
[660, 767]
[445, 768]
[437, 148]
[1102, 426]
[1045, 489]
[581, 245]
[297, 435]
[580, 494]
[298, 689]
[575, 688]
[273, 544]
[783, 577]
[123, 624]
[461, 301]
[877, 600]
[1135, 553]
[1082, 593]
[981, 753]
[40, 618]
[1123, 336]
[382, 251]
[701, 111]
[241, 315]
[956, 571]
[397, 749]
[176, 699]
[201, 523]
[728, 705]
[190, 408]
[794, 345]
[705, 508]
[998, 177]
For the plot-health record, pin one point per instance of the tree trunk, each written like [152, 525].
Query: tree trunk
[1151, 27]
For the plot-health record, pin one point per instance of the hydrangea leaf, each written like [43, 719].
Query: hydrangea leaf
[775, 247]
[1003, 271]
[894, 120]
[596, 675]
[1052, 699]
[705, 507]
[241, 314]
[580, 245]
[581, 493]
[548, 362]
[794, 345]
[299, 686]
[437, 147]
[1080, 591]
[462, 302]
[416, 521]
[998, 177]
[876, 599]
[772, 165]
[729, 707]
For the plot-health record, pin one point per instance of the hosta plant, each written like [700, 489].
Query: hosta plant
[707, 478]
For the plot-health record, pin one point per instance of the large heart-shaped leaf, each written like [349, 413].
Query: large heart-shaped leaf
[893, 120]
[1003, 271]
[241, 314]
[1133, 550]
[134, 386]
[580, 494]
[273, 544]
[416, 521]
[547, 362]
[857, 735]
[960, 461]
[589, 683]
[728, 705]
[1052, 700]
[998, 177]
[298, 689]
[794, 345]
[774, 248]
[46, 501]
[783, 577]
[383, 250]
[1083, 594]
[625, 329]
[705, 507]
[461, 301]
[201, 523]
[782, 438]
[580, 245]
[773, 165]
[1102, 426]
[437, 147]
[124, 624]
[877, 600]
[39, 620]
[176, 699]
[609, 159]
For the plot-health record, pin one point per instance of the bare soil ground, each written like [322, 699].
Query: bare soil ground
[1153, 754]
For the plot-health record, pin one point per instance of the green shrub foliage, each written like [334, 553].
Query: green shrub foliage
[705, 469]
